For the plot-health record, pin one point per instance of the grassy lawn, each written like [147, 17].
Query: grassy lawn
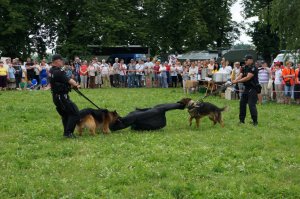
[176, 162]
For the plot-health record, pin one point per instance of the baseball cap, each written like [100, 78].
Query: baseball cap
[248, 57]
[56, 57]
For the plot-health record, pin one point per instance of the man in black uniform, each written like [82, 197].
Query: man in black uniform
[249, 76]
[60, 87]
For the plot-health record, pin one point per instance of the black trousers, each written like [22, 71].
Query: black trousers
[248, 97]
[174, 81]
[68, 111]
[146, 119]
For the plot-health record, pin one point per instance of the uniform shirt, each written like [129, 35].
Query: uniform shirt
[253, 82]
[59, 81]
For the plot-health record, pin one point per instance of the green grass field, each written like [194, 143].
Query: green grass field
[176, 162]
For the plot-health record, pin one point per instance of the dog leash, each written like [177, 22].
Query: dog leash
[224, 86]
[81, 94]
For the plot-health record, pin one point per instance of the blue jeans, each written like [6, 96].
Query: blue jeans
[131, 80]
[288, 91]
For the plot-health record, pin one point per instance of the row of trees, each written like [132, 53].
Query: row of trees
[278, 26]
[164, 25]
[28, 26]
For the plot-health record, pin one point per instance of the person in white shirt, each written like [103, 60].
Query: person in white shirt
[105, 73]
[278, 84]
[163, 76]
[226, 68]
[139, 72]
[193, 72]
[173, 72]
[98, 77]
[116, 77]
[149, 73]
[122, 73]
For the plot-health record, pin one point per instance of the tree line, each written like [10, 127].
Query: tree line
[165, 26]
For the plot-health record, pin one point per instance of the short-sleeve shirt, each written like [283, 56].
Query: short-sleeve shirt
[253, 82]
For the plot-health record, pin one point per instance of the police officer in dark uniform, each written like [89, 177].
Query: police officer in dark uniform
[249, 76]
[60, 87]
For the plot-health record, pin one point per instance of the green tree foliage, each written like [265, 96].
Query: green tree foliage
[71, 25]
[266, 41]
[285, 19]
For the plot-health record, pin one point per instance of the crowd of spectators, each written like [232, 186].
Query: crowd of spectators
[279, 82]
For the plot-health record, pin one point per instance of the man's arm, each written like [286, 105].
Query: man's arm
[241, 80]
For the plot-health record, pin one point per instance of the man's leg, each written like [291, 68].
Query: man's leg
[252, 100]
[243, 107]
[73, 116]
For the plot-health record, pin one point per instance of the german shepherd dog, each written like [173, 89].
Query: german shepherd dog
[96, 119]
[198, 110]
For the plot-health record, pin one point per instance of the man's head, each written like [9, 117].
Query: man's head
[148, 59]
[116, 60]
[122, 61]
[1, 63]
[248, 60]
[57, 60]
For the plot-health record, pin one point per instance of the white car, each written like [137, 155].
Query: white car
[284, 57]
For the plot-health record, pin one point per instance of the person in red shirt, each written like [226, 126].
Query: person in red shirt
[297, 85]
[83, 75]
[168, 67]
[156, 74]
[288, 75]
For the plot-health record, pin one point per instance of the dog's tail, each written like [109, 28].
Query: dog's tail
[225, 108]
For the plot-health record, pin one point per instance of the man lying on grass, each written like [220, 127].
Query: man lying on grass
[146, 119]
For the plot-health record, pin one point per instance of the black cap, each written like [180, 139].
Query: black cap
[248, 57]
[56, 57]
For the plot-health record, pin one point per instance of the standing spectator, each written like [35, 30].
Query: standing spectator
[149, 73]
[288, 75]
[297, 84]
[156, 72]
[139, 73]
[185, 77]
[226, 68]
[3, 76]
[264, 75]
[234, 75]
[116, 68]
[131, 73]
[77, 64]
[105, 74]
[193, 72]
[18, 75]
[43, 74]
[36, 67]
[179, 70]
[163, 75]
[83, 74]
[111, 73]
[92, 75]
[278, 83]
[168, 68]
[122, 73]
[30, 70]
[11, 77]
[173, 71]
[97, 66]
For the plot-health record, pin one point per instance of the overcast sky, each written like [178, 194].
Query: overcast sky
[236, 10]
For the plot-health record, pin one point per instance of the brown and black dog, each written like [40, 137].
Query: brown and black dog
[93, 119]
[198, 110]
